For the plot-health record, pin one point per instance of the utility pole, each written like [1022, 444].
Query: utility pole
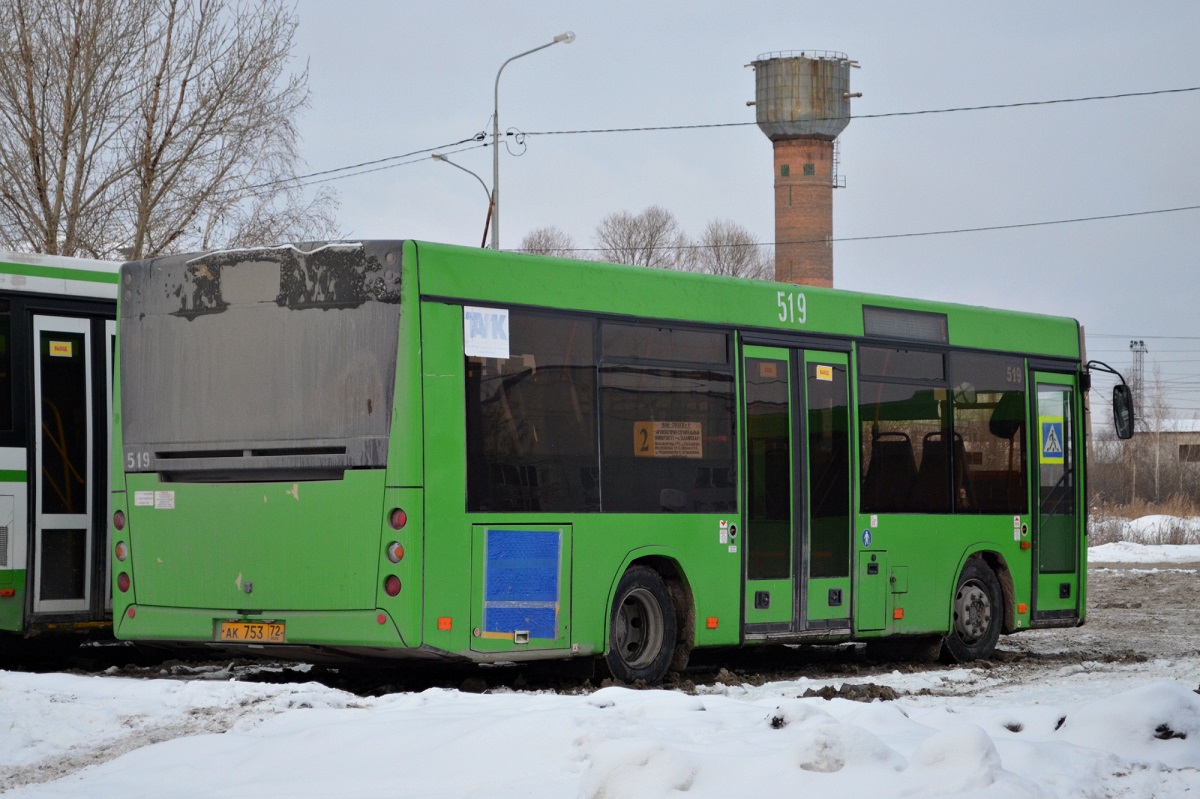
[1138, 348]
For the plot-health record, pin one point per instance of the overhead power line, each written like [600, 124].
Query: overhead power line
[890, 114]
[404, 159]
[946, 232]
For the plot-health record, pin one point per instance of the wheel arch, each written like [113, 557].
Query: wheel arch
[999, 566]
[670, 568]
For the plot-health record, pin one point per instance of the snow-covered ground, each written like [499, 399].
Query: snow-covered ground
[1114, 729]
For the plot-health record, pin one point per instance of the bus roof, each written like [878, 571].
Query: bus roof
[52, 274]
[471, 274]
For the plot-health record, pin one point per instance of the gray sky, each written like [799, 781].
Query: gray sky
[391, 78]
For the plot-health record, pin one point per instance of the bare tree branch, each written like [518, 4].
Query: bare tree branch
[142, 127]
[652, 238]
[727, 248]
[549, 241]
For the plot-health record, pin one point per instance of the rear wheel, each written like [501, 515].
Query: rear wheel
[642, 628]
[978, 613]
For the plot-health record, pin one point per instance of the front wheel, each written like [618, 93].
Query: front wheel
[978, 613]
[642, 629]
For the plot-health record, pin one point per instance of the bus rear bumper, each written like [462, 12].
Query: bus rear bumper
[343, 629]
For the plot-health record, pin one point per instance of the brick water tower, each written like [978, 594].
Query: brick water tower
[802, 103]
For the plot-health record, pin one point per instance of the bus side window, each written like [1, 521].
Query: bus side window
[989, 418]
[531, 441]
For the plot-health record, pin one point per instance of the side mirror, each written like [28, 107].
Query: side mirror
[1123, 410]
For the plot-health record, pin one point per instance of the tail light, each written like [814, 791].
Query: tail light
[391, 585]
[121, 551]
[397, 519]
[123, 582]
[395, 552]
[119, 521]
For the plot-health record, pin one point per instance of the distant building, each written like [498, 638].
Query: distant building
[1183, 436]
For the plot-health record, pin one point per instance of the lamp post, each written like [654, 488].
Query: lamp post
[565, 38]
[445, 160]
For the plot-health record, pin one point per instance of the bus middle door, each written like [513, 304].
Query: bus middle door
[797, 519]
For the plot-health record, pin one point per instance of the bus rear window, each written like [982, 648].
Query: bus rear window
[259, 364]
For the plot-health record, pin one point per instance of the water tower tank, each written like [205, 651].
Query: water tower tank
[802, 94]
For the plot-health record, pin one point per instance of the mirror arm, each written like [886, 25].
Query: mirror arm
[1101, 366]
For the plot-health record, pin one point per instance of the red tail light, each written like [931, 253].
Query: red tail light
[392, 585]
[123, 582]
[397, 519]
[119, 521]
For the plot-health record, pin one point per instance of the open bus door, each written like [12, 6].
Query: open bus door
[798, 520]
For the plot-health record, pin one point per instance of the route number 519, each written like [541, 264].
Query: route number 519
[137, 460]
[792, 307]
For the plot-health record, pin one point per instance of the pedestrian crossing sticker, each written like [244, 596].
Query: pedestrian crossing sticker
[1053, 446]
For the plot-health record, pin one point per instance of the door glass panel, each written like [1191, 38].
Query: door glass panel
[64, 564]
[829, 471]
[6, 383]
[1056, 469]
[64, 423]
[768, 453]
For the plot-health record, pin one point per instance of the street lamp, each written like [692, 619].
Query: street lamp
[445, 160]
[565, 38]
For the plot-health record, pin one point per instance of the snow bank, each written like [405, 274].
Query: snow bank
[763, 741]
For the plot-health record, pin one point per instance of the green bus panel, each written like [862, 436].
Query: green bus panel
[12, 605]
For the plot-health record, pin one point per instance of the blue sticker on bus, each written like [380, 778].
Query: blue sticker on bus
[521, 586]
[866, 538]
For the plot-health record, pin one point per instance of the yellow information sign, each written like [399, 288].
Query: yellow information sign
[60, 349]
[668, 439]
[825, 373]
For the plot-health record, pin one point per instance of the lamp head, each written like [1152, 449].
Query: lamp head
[565, 38]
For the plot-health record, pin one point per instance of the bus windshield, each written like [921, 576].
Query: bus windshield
[261, 364]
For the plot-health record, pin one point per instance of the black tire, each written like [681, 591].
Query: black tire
[976, 615]
[641, 628]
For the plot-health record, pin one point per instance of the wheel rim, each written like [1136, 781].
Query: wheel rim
[972, 612]
[639, 628]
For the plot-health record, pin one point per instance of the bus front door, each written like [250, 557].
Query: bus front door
[797, 492]
[1057, 537]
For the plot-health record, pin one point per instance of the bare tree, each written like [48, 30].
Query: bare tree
[727, 248]
[651, 238]
[549, 241]
[148, 126]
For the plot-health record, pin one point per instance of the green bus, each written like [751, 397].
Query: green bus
[420, 450]
[57, 343]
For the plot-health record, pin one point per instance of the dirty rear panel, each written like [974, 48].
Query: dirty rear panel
[289, 358]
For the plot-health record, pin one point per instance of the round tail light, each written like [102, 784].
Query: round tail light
[121, 551]
[395, 552]
[119, 521]
[392, 585]
[123, 582]
[397, 519]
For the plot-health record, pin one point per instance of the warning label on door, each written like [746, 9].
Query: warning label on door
[668, 440]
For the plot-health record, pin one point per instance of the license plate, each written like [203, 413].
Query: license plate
[251, 632]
